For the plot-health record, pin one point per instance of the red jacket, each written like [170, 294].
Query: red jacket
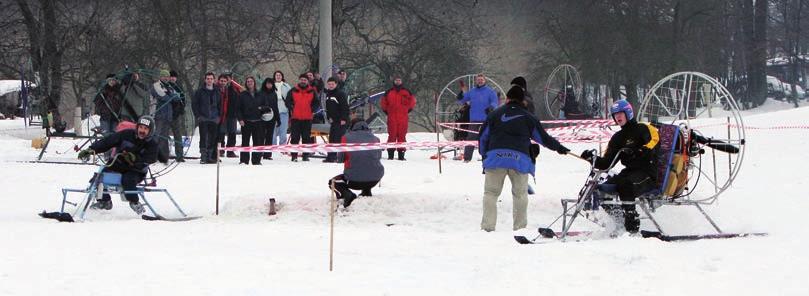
[302, 102]
[397, 102]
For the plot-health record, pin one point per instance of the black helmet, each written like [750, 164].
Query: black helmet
[149, 122]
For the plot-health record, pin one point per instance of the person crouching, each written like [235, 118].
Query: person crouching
[362, 169]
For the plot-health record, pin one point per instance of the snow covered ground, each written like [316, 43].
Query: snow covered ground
[419, 233]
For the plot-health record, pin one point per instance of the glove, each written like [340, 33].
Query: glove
[562, 150]
[84, 154]
[588, 154]
[128, 157]
[627, 152]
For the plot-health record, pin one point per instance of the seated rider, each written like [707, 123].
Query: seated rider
[636, 143]
[134, 151]
[362, 169]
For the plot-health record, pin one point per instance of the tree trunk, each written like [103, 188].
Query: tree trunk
[759, 57]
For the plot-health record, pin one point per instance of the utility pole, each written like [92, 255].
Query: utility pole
[325, 43]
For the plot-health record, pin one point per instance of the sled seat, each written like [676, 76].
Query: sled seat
[104, 182]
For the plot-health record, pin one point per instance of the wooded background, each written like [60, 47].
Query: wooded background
[72, 45]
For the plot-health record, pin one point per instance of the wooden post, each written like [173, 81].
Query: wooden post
[332, 202]
[437, 131]
[217, 177]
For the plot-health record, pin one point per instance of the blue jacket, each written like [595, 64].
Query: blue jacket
[481, 100]
[506, 136]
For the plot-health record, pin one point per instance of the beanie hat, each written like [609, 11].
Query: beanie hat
[516, 93]
[173, 73]
[164, 73]
[520, 81]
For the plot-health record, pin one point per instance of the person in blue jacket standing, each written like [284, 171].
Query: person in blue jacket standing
[504, 143]
[481, 99]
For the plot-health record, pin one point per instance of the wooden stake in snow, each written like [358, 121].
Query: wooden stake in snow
[332, 202]
[217, 178]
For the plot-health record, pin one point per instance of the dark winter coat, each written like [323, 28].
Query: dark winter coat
[145, 150]
[302, 102]
[108, 102]
[134, 98]
[336, 106]
[271, 97]
[505, 138]
[362, 166]
[640, 141]
[178, 106]
[397, 103]
[251, 106]
[206, 104]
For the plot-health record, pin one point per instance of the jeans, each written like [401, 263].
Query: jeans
[280, 133]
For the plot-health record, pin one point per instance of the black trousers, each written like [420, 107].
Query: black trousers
[469, 151]
[129, 182]
[177, 133]
[252, 130]
[208, 133]
[300, 130]
[269, 132]
[342, 186]
[227, 136]
[336, 132]
[629, 184]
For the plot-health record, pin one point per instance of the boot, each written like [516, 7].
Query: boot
[103, 204]
[401, 155]
[366, 192]
[390, 154]
[348, 198]
[631, 221]
[137, 207]
[232, 154]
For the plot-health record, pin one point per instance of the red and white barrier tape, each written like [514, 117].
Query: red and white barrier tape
[345, 147]
[747, 127]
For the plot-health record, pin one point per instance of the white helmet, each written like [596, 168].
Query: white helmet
[268, 116]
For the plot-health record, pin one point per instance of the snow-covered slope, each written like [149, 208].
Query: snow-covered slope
[419, 233]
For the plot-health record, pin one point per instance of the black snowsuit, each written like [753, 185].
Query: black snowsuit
[336, 111]
[145, 151]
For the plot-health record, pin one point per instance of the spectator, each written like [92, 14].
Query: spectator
[337, 114]
[164, 96]
[177, 117]
[281, 90]
[302, 101]
[230, 91]
[342, 77]
[397, 103]
[269, 115]
[135, 96]
[108, 104]
[206, 105]
[251, 108]
[481, 99]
